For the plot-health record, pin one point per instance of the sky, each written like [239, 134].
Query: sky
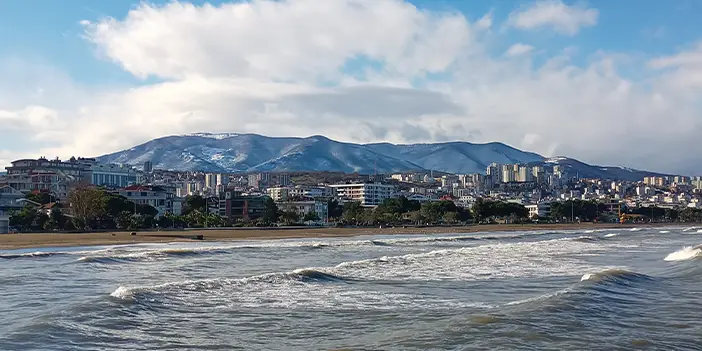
[605, 82]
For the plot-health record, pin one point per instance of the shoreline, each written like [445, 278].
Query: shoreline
[50, 240]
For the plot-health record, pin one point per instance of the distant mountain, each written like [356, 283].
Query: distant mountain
[584, 170]
[232, 152]
[253, 153]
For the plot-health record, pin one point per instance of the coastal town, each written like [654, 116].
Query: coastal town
[80, 194]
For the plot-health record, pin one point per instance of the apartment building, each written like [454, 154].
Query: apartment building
[368, 194]
[160, 198]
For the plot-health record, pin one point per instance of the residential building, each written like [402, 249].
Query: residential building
[368, 194]
[539, 210]
[56, 176]
[210, 181]
[160, 198]
[283, 179]
[148, 167]
[279, 193]
[111, 175]
[233, 206]
[8, 203]
[302, 208]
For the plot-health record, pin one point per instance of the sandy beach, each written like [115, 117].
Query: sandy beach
[22, 241]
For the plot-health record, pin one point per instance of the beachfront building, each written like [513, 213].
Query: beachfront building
[160, 198]
[110, 174]
[56, 176]
[368, 194]
[234, 206]
[302, 208]
[539, 210]
[9, 202]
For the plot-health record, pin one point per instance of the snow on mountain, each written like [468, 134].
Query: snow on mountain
[232, 152]
[250, 152]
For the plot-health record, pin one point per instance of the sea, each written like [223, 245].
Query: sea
[610, 289]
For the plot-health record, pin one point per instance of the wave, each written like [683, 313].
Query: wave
[686, 253]
[31, 255]
[611, 235]
[664, 231]
[689, 229]
[585, 239]
[635, 229]
[305, 275]
[122, 256]
[615, 275]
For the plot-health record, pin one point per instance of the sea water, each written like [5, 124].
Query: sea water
[541, 290]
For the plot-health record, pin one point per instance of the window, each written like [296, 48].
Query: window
[144, 194]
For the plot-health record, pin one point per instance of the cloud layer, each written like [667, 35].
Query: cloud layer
[363, 70]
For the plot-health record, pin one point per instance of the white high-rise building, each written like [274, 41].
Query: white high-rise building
[368, 194]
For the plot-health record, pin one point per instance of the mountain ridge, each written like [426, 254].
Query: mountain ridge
[248, 152]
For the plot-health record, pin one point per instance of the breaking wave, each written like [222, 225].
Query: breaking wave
[611, 235]
[686, 253]
[306, 275]
[615, 275]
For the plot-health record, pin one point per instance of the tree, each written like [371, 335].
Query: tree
[290, 217]
[194, 203]
[56, 220]
[87, 203]
[124, 220]
[416, 217]
[431, 211]
[334, 209]
[450, 217]
[42, 197]
[24, 219]
[311, 217]
[270, 215]
[352, 212]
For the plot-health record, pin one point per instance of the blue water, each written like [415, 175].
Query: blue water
[617, 289]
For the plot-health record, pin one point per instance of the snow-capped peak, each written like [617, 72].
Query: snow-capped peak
[556, 159]
[218, 136]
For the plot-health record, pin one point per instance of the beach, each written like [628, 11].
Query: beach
[38, 240]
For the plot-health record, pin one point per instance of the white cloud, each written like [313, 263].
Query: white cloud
[555, 14]
[348, 69]
[519, 49]
[484, 22]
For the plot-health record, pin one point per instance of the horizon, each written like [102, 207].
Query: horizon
[585, 80]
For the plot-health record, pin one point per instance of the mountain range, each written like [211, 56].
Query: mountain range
[240, 153]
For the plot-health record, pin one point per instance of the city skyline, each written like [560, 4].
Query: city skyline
[583, 80]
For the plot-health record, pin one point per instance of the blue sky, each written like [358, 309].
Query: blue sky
[557, 77]
[49, 31]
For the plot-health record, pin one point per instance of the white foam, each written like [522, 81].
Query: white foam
[685, 253]
[689, 229]
[664, 231]
[699, 231]
[635, 229]
[587, 276]
[122, 293]
[611, 235]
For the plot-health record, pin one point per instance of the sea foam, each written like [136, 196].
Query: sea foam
[685, 253]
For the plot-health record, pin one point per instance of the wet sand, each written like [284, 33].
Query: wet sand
[23, 241]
